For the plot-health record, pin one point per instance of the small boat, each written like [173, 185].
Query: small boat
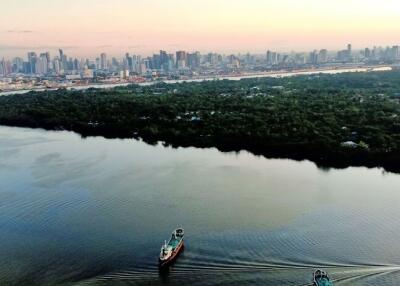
[170, 250]
[321, 278]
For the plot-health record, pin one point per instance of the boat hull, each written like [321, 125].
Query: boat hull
[175, 254]
[321, 279]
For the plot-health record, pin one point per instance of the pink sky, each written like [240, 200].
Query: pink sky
[88, 27]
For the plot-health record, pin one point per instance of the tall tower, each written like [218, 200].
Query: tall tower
[323, 56]
[32, 59]
[181, 59]
[349, 50]
[103, 61]
[269, 57]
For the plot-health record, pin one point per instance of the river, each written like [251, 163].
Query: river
[251, 75]
[96, 211]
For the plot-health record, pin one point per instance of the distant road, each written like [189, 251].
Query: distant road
[228, 77]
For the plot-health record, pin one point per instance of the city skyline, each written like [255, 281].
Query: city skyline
[23, 52]
[186, 63]
[84, 28]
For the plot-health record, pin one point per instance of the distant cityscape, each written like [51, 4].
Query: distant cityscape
[45, 70]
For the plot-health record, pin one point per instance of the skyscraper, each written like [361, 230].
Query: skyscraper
[193, 60]
[367, 53]
[32, 59]
[129, 62]
[57, 66]
[181, 59]
[272, 58]
[395, 52]
[164, 60]
[323, 56]
[42, 64]
[18, 65]
[49, 65]
[349, 52]
[269, 57]
[63, 61]
[313, 57]
[2, 68]
[103, 61]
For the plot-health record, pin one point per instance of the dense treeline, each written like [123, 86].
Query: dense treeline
[334, 120]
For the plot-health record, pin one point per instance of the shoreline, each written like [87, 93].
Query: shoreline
[333, 70]
[316, 119]
[322, 158]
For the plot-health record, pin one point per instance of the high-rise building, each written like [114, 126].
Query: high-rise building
[77, 65]
[367, 53]
[268, 57]
[193, 60]
[212, 59]
[171, 62]
[144, 65]
[5, 67]
[103, 61]
[42, 64]
[181, 59]
[57, 66]
[299, 58]
[164, 60]
[349, 52]
[63, 61]
[32, 59]
[70, 66]
[128, 62]
[2, 68]
[345, 55]
[313, 57]
[97, 63]
[155, 62]
[323, 56]
[234, 61]
[18, 65]
[272, 58]
[136, 62]
[115, 65]
[49, 64]
[395, 53]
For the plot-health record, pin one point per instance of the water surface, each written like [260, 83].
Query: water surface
[95, 211]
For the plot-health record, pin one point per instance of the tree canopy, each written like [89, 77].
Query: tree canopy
[334, 120]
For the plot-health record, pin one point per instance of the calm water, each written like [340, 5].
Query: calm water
[95, 212]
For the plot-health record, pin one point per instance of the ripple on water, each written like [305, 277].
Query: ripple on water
[75, 214]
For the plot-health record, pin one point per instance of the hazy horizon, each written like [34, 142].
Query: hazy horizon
[86, 28]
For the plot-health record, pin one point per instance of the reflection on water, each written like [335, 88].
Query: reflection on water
[95, 212]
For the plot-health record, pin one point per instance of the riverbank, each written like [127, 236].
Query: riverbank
[333, 70]
[336, 120]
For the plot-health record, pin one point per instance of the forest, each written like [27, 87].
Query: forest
[348, 119]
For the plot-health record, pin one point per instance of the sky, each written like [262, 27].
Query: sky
[87, 27]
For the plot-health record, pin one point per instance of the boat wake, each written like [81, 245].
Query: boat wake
[247, 274]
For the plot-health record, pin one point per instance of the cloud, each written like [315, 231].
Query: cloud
[137, 47]
[175, 45]
[5, 48]
[20, 31]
